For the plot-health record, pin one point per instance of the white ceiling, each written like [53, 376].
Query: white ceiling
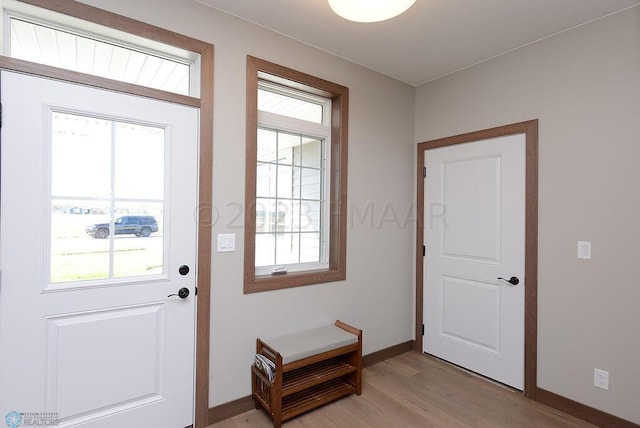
[432, 39]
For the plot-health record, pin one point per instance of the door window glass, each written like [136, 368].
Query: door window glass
[107, 198]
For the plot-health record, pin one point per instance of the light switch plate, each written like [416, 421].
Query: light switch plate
[584, 250]
[226, 242]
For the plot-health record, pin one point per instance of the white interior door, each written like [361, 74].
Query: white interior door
[88, 334]
[474, 233]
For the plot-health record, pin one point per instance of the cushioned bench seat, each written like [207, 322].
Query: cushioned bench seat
[296, 346]
[299, 372]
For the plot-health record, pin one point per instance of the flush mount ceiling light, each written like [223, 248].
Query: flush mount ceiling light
[369, 10]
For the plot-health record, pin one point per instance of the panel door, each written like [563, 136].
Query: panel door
[474, 235]
[88, 333]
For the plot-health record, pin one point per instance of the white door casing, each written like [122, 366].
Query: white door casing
[103, 353]
[474, 233]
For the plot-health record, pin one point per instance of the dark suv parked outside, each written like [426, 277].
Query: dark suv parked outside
[139, 225]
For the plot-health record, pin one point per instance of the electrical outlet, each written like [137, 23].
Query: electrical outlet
[601, 379]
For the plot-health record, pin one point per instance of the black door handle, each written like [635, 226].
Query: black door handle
[183, 293]
[513, 280]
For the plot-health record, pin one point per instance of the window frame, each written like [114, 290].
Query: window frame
[258, 69]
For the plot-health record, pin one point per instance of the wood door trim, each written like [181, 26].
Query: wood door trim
[530, 129]
[205, 174]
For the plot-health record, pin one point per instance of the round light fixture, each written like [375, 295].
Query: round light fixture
[369, 10]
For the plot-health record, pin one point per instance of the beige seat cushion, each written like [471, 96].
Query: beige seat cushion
[296, 346]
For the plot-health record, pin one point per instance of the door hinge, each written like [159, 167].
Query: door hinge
[423, 329]
[196, 291]
[424, 250]
[424, 172]
[0, 115]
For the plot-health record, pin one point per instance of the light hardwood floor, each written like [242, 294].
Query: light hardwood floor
[414, 390]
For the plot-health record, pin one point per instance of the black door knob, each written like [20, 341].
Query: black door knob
[513, 280]
[183, 293]
[183, 270]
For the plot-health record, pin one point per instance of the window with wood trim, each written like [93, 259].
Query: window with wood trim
[296, 178]
[73, 44]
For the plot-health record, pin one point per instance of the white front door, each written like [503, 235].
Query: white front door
[474, 234]
[98, 197]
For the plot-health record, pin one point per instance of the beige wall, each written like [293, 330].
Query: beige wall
[378, 293]
[584, 86]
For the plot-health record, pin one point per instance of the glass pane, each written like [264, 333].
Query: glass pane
[75, 256]
[281, 216]
[261, 218]
[289, 106]
[296, 182]
[266, 215]
[267, 145]
[287, 248]
[286, 219]
[309, 215]
[311, 184]
[309, 247]
[265, 250]
[44, 45]
[139, 148]
[138, 243]
[286, 181]
[266, 180]
[286, 145]
[311, 152]
[80, 156]
[295, 214]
